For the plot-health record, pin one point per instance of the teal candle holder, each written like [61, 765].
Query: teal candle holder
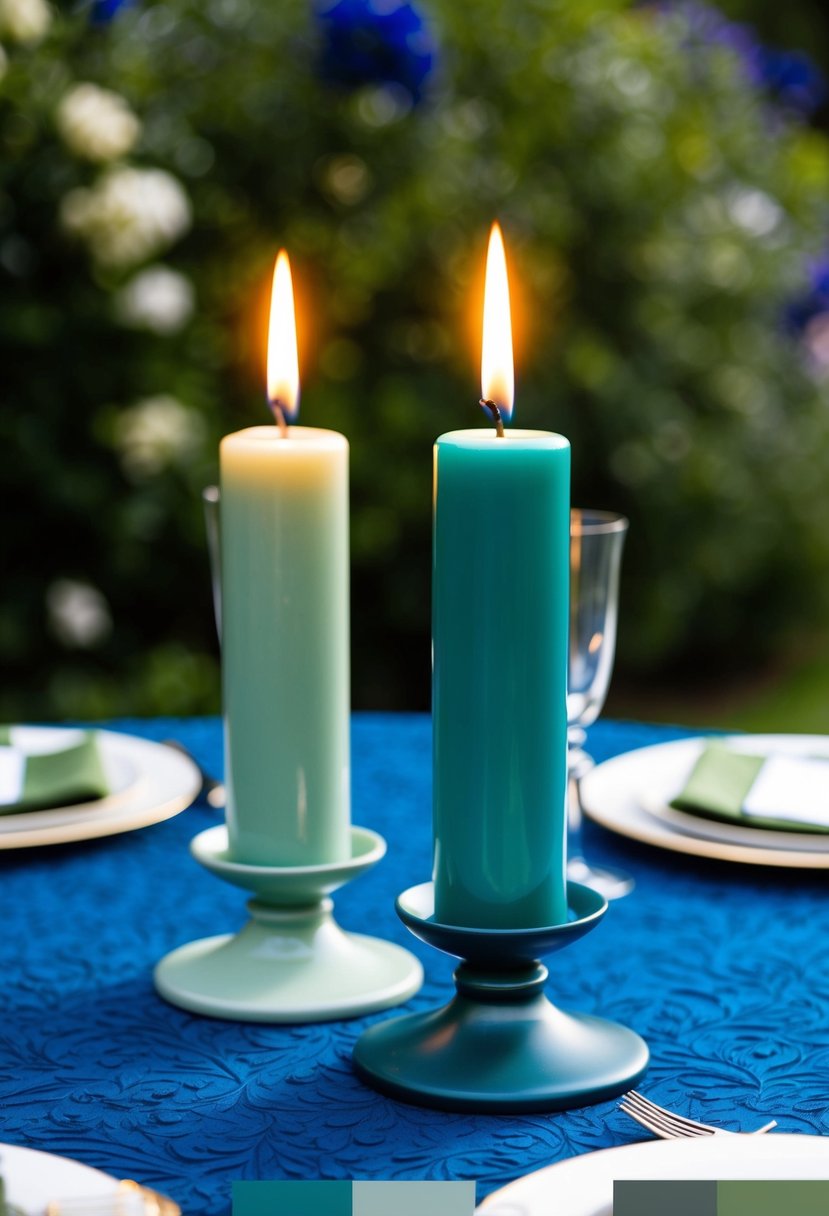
[500, 1045]
[291, 962]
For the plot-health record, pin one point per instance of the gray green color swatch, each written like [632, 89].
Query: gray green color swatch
[413, 1198]
[665, 1199]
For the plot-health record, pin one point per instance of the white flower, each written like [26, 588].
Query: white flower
[78, 613]
[755, 211]
[157, 298]
[24, 20]
[96, 123]
[128, 215]
[157, 432]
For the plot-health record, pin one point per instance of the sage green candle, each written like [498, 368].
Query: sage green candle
[500, 590]
[285, 644]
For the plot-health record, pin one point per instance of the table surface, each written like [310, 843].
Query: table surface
[723, 969]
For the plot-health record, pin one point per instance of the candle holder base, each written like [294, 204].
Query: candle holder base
[291, 962]
[500, 1045]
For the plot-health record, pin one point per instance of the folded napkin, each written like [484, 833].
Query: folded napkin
[34, 780]
[785, 792]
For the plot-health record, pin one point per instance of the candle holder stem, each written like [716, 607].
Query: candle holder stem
[500, 1044]
[291, 962]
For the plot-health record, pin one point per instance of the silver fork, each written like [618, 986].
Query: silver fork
[670, 1126]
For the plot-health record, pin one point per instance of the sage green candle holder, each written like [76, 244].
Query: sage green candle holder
[500, 1045]
[291, 962]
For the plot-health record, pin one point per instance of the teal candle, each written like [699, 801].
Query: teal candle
[285, 631]
[500, 618]
[500, 621]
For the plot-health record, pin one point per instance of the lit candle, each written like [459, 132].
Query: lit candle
[500, 621]
[285, 639]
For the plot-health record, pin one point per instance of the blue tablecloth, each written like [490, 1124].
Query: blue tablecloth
[723, 969]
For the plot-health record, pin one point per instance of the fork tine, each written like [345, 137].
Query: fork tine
[670, 1126]
[651, 1115]
[663, 1127]
[648, 1126]
[651, 1108]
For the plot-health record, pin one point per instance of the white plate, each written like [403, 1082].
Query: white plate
[120, 771]
[583, 1186]
[150, 782]
[619, 793]
[736, 833]
[33, 1178]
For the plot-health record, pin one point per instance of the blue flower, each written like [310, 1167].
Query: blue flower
[793, 78]
[814, 302]
[376, 42]
[790, 77]
[103, 11]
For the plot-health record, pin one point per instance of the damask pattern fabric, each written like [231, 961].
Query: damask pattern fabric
[723, 969]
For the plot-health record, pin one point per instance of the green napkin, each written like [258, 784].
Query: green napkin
[785, 793]
[37, 780]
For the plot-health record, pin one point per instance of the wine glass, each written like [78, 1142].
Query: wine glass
[211, 499]
[596, 542]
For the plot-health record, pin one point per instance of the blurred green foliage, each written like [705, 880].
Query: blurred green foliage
[659, 214]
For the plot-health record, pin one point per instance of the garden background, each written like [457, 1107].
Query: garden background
[662, 174]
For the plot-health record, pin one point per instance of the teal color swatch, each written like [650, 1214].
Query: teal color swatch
[291, 1198]
[773, 1198]
[667, 1199]
[413, 1198]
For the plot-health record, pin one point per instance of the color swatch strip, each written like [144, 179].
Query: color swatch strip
[734, 1198]
[372, 1198]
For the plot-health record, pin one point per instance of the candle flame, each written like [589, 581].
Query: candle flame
[283, 364]
[497, 374]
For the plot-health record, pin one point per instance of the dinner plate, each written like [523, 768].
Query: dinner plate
[735, 833]
[120, 771]
[33, 1178]
[583, 1186]
[150, 782]
[630, 794]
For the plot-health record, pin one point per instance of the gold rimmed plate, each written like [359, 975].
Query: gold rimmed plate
[149, 782]
[631, 795]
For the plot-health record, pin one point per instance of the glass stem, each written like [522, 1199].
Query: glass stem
[574, 818]
[578, 763]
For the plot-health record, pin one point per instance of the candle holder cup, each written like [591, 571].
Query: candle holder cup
[291, 962]
[500, 1045]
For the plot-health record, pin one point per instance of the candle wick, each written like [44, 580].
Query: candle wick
[492, 408]
[279, 417]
